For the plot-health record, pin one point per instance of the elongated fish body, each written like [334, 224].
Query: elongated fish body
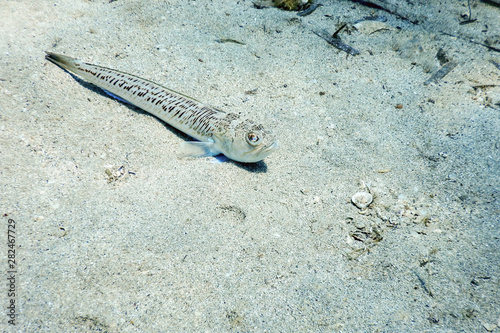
[217, 131]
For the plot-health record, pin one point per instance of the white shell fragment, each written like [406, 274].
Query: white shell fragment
[362, 200]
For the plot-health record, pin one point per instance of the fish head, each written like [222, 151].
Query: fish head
[246, 142]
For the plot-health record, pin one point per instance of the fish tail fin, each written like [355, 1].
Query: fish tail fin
[67, 63]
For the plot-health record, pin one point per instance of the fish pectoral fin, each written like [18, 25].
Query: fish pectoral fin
[198, 149]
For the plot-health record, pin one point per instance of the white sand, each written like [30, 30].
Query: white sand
[178, 245]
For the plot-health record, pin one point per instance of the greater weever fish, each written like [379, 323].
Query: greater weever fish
[218, 132]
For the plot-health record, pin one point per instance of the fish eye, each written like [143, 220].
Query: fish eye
[253, 138]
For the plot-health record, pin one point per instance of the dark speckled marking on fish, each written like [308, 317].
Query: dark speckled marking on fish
[218, 131]
[165, 104]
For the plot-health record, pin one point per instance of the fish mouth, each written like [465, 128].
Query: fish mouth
[272, 147]
[269, 149]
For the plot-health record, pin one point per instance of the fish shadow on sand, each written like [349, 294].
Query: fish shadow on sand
[259, 167]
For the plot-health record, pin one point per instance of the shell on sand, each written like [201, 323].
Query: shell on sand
[362, 199]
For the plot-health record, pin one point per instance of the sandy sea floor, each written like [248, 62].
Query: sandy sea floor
[116, 233]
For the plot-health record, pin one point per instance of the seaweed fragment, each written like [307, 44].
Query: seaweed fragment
[470, 19]
[336, 41]
[391, 8]
[293, 5]
[371, 18]
[492, 2]
[442, 72]
[424, 285]
[334, 35]
[496, 64]
[229, 40]
[310, 9]
[471, 40]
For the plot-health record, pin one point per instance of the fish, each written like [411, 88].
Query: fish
[218, 132]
